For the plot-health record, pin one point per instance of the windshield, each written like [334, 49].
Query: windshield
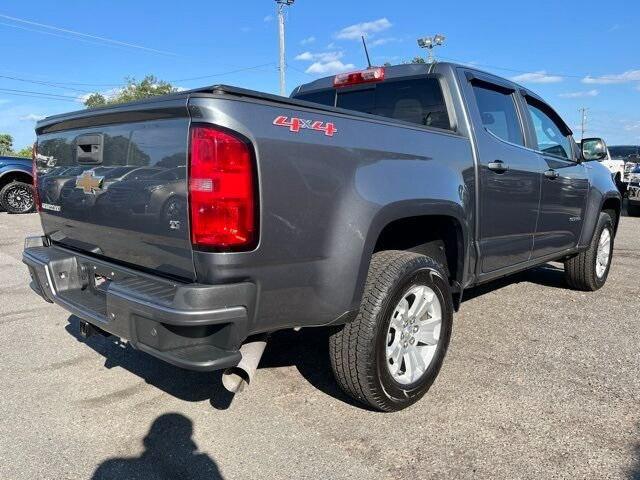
[622, 153]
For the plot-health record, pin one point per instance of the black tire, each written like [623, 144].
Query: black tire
[580, 270]
[357, 349]
[17, 197]
[633, 209]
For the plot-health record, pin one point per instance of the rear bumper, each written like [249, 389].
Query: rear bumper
[197, 327]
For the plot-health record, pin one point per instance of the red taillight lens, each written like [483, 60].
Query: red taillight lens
[34, 170]
[355, 78]
[221, 191]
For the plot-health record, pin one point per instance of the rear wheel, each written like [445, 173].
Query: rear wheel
[589, 270]
[390, 355]
[17, 197]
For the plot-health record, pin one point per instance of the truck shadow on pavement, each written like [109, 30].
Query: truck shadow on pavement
[307, 351]
[183, 384]
[170, 453]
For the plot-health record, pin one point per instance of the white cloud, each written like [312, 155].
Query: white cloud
[382, 41]
[626, 77]
[32, 117]
[330, 68]
[581, 94]
[268, 18]
[354, 32]
[308, 40]
[632, 126]
[323, 57]
[537, 77]
[4, 100]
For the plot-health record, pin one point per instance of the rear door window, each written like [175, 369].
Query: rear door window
[498, 114]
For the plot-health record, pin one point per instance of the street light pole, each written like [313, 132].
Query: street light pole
[283, 59]
[430, 43]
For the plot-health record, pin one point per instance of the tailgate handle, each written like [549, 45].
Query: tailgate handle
[89, 148]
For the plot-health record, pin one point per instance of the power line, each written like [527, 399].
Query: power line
[38, 82]
[513, 70]
[222, 73]
[87, 35]
[32, 94]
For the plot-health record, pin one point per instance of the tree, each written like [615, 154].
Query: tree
[148, 87]
[26, 152]
[6, 143]
[419, 60]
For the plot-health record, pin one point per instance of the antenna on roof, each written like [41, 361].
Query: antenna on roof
[366, 51]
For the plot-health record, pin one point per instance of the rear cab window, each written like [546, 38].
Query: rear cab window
[420, 101]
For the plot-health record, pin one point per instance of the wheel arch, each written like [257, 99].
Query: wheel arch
[13, 175]
[613, 206]
[440, 227]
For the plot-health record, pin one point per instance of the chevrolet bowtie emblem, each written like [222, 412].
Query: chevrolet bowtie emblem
[88, 182]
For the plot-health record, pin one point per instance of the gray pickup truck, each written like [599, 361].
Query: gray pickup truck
[367, 203]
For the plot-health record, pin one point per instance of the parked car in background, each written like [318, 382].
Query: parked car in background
[616, 167]
[633, 207]
[629, 154]
[16, 184]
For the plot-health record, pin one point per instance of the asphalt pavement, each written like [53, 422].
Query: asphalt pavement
[540, 382]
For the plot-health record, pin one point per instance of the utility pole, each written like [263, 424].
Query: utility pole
[283, 59]
[583, 115]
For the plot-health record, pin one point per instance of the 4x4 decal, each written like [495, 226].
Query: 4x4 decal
[295, 125]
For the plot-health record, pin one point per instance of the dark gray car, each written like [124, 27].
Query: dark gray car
[367, 202]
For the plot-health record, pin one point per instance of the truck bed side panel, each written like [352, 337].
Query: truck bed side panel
[325, 199]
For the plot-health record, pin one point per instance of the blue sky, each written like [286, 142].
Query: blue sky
[573, 53]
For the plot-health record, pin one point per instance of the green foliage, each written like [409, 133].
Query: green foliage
[24, 153]
[6, 143]
[418, 60]
[6, 147]
[148, 87]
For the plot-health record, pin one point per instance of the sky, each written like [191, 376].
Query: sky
[573, 53]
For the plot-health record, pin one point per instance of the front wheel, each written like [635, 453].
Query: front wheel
[17, 197]
[589, 269]
[390, 355]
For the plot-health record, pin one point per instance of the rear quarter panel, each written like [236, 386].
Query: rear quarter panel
[324, 200]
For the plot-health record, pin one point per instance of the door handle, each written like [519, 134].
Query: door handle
[498, 166]
[551, 174]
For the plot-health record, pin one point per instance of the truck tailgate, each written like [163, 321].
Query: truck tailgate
[113, 183]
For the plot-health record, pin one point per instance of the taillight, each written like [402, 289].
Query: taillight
[222, 195]
[355, 78]
[34, 171]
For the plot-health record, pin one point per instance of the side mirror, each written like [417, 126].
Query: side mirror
[593, 149]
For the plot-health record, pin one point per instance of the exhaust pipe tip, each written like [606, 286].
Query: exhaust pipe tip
[237, 379]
